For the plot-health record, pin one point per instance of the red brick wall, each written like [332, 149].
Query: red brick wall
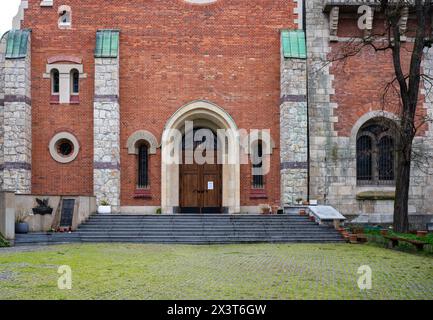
[360, 81]
[171, 53]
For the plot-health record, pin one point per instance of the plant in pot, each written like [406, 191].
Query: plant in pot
[265, 208]
[104, 207]
[275, 208]
[159, 211]
[299, 200]
[43, 208]
[21, 225]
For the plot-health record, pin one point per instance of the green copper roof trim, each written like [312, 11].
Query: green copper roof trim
[294, 44]
[107, 44]
[17, 42]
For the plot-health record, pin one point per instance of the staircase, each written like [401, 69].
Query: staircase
[191, 229]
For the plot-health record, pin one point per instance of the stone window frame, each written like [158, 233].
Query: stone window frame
[137, 139]
[68, 11]
[54, 143]
[65, 65]
[146, 186]
[268, 146]
[254, 149]
[53, 80]
[375, 151]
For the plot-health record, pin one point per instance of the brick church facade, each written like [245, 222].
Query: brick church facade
[89, 91]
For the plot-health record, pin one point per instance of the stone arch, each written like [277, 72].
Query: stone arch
[367, 117]
[213, 116]
[142, 135]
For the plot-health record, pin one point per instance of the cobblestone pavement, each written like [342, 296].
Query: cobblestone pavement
[265, 271]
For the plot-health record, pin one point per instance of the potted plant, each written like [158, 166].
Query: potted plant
[353, 238]
[43, 208]
[21, 225]
[299, 200]
[159, 211]
[265, 208]
[104, 207]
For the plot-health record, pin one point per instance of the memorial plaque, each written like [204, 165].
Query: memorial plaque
[67, 213]
[326, 213]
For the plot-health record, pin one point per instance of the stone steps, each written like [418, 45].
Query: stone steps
[190, 229]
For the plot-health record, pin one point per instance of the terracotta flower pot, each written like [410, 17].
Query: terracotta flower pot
[353, 238]
[421, 233]
[341, 230]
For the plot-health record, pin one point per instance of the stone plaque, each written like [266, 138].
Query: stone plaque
[67, 213]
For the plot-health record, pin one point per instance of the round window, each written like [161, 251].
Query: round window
[64, 147]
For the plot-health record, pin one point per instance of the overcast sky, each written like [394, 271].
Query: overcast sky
[8, 9]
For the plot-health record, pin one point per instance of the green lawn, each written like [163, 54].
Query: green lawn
[265, 271]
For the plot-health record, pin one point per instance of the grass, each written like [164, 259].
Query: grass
[263, 271]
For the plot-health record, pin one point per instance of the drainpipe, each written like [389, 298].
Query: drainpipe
[304, 26]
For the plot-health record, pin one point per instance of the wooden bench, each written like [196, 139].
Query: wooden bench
[395, 240]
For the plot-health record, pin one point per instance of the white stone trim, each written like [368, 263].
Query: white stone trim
[68, 9]
[16, 22]
[53, 150]
[201, 110]
[46, 3]
[64, 78]
[369, 116]
[299, 10]
[142, 135]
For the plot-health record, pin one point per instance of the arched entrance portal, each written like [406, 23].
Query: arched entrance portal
[176, 177]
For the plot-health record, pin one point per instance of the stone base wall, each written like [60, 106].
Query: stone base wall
[106, 175]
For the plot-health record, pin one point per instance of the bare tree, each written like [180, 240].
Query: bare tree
[406, 83]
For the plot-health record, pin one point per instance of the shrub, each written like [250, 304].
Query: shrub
[3, 242]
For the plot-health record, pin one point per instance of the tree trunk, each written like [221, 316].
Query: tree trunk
[401, 203]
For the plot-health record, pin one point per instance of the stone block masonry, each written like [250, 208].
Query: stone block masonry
[106, 172]
[2, 100]
[17, 121]
[293, 130]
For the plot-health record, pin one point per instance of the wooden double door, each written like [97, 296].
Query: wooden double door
[201, 188]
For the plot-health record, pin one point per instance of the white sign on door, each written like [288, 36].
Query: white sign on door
[210, 185]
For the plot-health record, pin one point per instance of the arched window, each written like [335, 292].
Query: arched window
[75, 81]
[143, 167]
[257, 166]
[375, 153]
[65, 17]
[55, 82]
